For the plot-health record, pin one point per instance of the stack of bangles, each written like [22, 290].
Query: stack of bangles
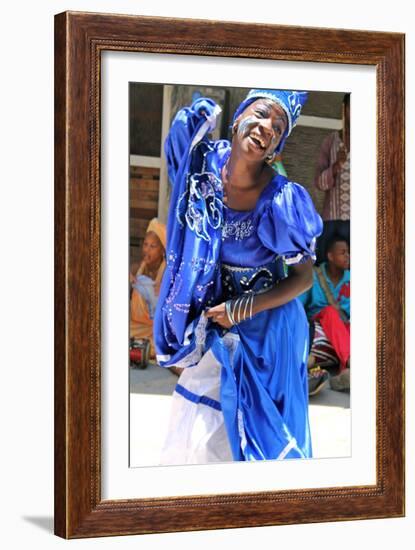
[237, 309]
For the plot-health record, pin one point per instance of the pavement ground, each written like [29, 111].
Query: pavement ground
[150, 396]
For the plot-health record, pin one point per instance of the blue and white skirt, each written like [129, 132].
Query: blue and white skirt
[247, 397]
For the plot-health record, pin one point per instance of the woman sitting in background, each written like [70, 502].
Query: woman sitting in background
[146, 283]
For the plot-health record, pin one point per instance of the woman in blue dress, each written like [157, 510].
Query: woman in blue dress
[227, 312]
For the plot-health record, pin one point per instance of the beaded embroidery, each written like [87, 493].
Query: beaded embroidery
[301, 257]
[201, 264]
[176, 285]
[239, 230]
[199, 332]
[184, 308]
[200, 206]
[244, 280]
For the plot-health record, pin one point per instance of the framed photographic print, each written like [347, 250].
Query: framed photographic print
[151, 387]
[120, 82]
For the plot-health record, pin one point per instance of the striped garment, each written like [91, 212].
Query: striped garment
[321, 348]
[337, 199]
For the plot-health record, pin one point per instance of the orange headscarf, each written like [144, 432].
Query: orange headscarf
[159, 229]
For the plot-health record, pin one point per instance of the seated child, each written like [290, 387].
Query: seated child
[327, 305]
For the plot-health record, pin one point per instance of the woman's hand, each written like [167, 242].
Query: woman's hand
[218, 315]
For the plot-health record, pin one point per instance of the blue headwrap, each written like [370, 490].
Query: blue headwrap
[289, 100]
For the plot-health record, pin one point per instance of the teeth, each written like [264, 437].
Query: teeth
[259, 140]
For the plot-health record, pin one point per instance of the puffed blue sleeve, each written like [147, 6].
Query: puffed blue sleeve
[290, 224]
[189, 126]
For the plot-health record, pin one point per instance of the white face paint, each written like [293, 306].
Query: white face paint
[264, 124]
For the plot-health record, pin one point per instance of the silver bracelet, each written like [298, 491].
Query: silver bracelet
[252, 306]
[236, 309]
[235, 305]
[228, 309]
[241, 302]
[246, 306]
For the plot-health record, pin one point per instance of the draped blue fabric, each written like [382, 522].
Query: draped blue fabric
[264, 394]
[215, 252]
[192, 277]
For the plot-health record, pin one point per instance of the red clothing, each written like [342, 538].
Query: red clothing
[337, 332]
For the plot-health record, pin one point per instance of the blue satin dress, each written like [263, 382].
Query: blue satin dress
[243, 394]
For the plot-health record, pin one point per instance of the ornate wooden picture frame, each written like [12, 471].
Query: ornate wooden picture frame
[80, 39]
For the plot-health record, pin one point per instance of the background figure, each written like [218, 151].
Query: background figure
[146, 283]
[333, 177]
[327, 305]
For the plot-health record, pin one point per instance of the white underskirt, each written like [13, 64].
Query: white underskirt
[197, 434]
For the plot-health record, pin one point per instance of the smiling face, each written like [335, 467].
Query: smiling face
[153, 250]
[260, 128]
